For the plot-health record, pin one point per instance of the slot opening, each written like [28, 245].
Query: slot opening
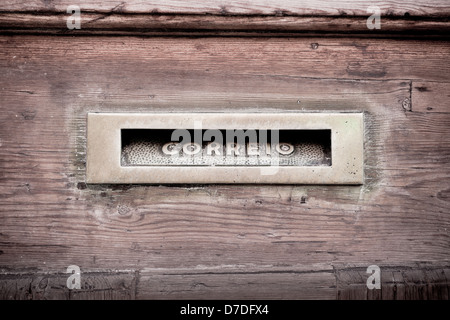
[167, 147]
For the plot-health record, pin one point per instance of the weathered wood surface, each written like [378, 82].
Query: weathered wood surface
[411, 282]
[433, 8]
[237, 283]
[240, 241]
[397, 283]
[53, 286]
[224, 25]
[431, 96]
[228, 18]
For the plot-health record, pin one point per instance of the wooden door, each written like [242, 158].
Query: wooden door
[224, 241]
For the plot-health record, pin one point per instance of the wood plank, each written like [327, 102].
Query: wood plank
[53, 286]
[238, 7]
[232, 283]
[431, 96]
[207, 25]
[397, 283]
[378, 59]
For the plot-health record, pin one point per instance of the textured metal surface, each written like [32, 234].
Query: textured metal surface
[308, 150]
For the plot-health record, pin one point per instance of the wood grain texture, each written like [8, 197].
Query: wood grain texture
[397, 283]
[176, 62]
[53, 286]
[174, 235]
[240, 7]
[235, 283]
[431, 96]
[224, 25]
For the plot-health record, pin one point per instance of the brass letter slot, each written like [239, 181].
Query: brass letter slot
[288, 148]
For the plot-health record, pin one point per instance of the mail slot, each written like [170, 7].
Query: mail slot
[153, 147]
[288, 148]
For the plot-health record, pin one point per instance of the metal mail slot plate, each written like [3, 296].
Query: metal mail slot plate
[274, 148]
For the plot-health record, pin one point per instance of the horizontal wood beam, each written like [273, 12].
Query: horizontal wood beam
[193, 24]
[406, 282]
[436, 8]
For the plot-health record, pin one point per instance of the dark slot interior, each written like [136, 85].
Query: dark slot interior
[144, 147]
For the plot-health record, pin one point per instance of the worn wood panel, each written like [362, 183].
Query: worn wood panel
[53, 286]
[406, 282]
[195, 25]
[51, 219]
[431, 96]
[397, 283]
[237, 284]
[263, 7]
[174, 61]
